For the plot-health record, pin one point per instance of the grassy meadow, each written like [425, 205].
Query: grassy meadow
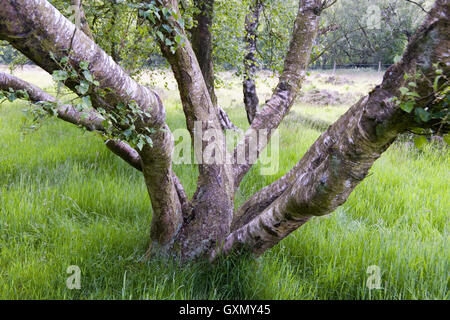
[66, 200]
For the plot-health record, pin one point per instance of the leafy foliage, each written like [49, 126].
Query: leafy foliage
[430, 112]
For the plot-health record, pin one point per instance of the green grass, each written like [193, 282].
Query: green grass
[65, 200]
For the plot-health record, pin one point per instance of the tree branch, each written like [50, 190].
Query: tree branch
[40, 31]
[418, 4]
[251, 100]
[201, 40]
[297, 59]
[81, 17]
[341, 158]
[91, 120]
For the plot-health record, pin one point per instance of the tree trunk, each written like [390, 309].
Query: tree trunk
[209, 219]
[251, 100]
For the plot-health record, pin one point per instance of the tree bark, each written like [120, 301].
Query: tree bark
[201, 40]
[251, 100]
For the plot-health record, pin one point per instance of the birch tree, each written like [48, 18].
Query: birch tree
[133, 119]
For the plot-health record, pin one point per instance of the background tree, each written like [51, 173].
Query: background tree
[368, 32]
[251, 100]
[201, 39]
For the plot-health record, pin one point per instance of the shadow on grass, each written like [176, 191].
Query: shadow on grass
[230, 278]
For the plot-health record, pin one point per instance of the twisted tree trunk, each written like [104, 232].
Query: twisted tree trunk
[211, 209]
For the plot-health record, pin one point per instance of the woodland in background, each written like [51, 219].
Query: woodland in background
[346, 37]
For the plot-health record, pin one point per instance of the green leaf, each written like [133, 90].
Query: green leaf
[60, 75]
[73, 74]
[167, 28]
[160, 35]
[413, 94]
[140, 144]
[144, 14]
[83, 87]
[106, 124]
[149, 141]
[420, 141]
[152, 19]
[165, 12]
[52, 56]
[84, 65]
[403, 90]
[407, 106]
[436, 83]
[423, 114]
[168, 42]
[86, 102]
[178, 39]
[181, 22]
[88, 76]
[12, 96]
[175, 15]
[447, 139]
[127, 133]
